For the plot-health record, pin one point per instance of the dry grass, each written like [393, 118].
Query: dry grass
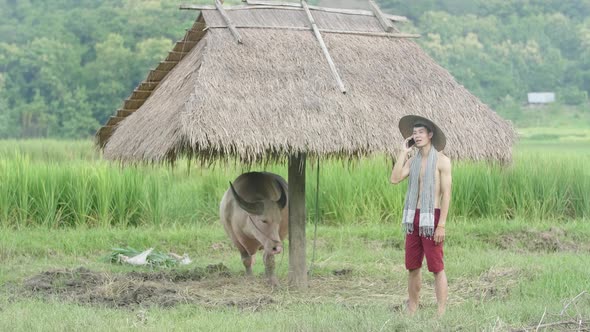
[571, 317]
[215, 286]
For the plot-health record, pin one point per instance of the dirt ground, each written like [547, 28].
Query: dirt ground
[553, 240]
[216, 286]
[162, 288]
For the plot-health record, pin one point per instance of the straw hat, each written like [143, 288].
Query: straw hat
[406, 127]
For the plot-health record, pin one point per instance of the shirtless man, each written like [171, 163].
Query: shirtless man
[423, 236]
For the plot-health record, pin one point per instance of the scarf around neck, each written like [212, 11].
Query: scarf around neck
[426, 197]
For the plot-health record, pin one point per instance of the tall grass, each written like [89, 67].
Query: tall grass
[46, 188]
[73, 194]
[49, 150]
[535, 186]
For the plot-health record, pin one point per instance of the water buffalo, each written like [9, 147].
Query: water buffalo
[254, 213]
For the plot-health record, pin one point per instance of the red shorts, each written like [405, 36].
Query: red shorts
[417, 247]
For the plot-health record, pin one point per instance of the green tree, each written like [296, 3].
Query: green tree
[35, 120]
[582, 71]
[76, 116]
[67, 65]
[110, 77]
[8, 123]
[149, 53]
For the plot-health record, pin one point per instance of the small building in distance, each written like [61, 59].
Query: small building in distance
[541, 98]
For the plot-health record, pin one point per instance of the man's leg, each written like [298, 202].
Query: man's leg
[434, 257]
[414, 285]
[414, 258]
[442, 289]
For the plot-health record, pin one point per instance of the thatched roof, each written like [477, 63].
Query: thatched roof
[275, 94]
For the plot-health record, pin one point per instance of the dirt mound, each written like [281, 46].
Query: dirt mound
[196, 274]
[61, 281]
[553, 240]
[162, 288]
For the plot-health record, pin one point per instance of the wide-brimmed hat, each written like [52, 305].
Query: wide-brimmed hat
[406, 127]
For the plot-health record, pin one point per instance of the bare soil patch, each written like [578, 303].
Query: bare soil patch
[161, 288]
[553, 240]
[215, 286]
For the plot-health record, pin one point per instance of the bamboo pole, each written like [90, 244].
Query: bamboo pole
[318, 36]
[228, 21]
[385, 23]
[345, 32]
[294, 6]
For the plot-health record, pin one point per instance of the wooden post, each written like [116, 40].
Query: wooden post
[297, 261]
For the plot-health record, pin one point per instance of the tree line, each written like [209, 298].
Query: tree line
[66, 65]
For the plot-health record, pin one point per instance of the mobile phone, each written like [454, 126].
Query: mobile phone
[411, 143]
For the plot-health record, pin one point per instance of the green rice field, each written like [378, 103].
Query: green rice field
[517, 252]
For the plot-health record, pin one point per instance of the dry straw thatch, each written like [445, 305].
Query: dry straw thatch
[275, 95]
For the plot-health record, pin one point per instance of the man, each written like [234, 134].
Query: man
[427, 204]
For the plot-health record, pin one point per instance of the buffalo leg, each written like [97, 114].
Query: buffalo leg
[248, 261]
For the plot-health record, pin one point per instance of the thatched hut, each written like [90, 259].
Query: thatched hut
[262, 81]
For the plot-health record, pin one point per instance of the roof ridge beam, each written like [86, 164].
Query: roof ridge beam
[344, 32]
[318, 36]
[295, 6]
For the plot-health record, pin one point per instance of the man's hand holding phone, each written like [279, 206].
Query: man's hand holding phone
[408, 143]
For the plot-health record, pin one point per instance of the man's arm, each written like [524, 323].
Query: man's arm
[401, 169]
[445, 189]
[445, 202]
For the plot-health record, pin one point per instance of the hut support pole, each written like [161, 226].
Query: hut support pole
[297, 264]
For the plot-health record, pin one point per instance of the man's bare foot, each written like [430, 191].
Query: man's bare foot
[411, 309]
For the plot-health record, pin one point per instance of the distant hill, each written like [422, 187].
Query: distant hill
[66, 65]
